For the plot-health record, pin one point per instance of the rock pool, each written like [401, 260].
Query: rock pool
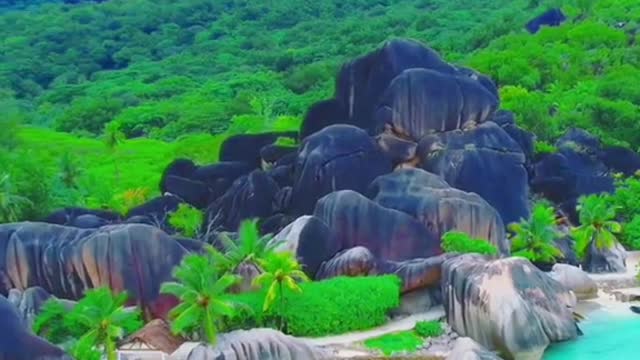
[607, 335]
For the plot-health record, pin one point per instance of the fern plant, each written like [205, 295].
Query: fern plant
[187, 220]
[535, 238]
[597, 219]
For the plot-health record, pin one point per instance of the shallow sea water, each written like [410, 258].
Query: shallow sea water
[606, 336]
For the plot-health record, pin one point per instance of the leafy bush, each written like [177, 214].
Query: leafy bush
[543, 147]
[459, 242]
[327, 307]
[400, 342]
[630, 236]
[429, 328]
[187, 220]
[535, 238]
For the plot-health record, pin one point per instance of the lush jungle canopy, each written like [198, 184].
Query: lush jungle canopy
[98, 96]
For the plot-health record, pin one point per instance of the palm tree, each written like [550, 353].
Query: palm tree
[113, 137]
[201, 291]
[105, 319]
[597, 224]
[535, 238]
[11, 204]
[250, 246]
[280, 270]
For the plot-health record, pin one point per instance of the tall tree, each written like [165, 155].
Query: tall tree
[597, 219]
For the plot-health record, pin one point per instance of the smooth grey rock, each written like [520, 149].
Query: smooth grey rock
[467, 349]
[254, 344]
[575, 280]
[507, 305]
[604, 260]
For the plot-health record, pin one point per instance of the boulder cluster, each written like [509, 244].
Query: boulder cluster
[409, 148]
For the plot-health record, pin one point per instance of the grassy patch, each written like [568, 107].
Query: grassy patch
[390, 344]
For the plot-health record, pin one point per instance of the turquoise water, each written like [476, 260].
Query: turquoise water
[606, 337]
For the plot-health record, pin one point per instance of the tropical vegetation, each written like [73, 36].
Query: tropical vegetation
[460, 242]
[93, 326]
[201, 290]
[597, 224]
[405, 341]
[534, 238]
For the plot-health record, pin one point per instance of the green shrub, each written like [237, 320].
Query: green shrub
[459, 242]
[286, 141]
[401, 342]
[333, 306]
[429, 328]
[187, 220]
[631, 234]
[543, 147]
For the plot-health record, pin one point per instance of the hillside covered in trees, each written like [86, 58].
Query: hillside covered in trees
[182, 75]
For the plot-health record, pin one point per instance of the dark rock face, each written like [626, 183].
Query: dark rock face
[66, 261]
[357, 261]
[419, 273]
[362, 82]
[477, 161]
[605, 260]
[246, 147]
[155, 212]
[311, 240]
[69, 215]
[183, 168]
[389, 234]
[419, 102]
[340, 157]
[506, 120]
[620, 160]
[250, 196]
[321, 115]
[272, 153]
[194, 193]
[439, 207]
[552, 17]
[255, 344]
[16, 343]
[507, 305]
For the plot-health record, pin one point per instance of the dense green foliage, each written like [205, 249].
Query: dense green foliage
[165, 68]
[400, 342]
[94, 324]
[580, 74]
[201, 289]
[429, 328]
[326, 307]
[535, 238]
[630, 236]
[597, 224]
[626, 199]
[187, 220]
[162, 69]
[459, 242]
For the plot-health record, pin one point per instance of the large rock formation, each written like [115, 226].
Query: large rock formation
[340, 157]
[575, 280]
[507, 305]
[419, 102]
[254, 344]
[67, 261]
[311, 240]
[477, 161]
[249, 197]
[246, 147]
[606, 260]
[439, 207]
[389, 234]
[28, 303]
[17, 343]
[467, 349]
